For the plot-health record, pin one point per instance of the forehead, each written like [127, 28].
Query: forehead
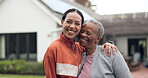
[74, 15]
[90, 26]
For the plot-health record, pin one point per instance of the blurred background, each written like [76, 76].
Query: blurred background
[27, 27]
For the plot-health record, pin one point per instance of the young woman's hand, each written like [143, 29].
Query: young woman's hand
[110, 48]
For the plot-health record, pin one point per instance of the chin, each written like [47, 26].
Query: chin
[70, 37]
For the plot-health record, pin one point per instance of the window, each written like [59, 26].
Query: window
[21, 46]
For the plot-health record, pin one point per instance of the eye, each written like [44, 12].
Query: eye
[82, 31]
[77, 23]
[88, 33]
[69, 22]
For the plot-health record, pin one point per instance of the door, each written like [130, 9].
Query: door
[138, 46]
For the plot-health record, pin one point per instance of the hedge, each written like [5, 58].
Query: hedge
[21, 67]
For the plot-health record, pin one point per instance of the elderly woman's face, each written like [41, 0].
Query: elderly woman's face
[88, 35]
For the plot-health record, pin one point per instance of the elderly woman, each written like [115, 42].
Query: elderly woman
[95, 63]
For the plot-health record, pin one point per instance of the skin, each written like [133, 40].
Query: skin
[71, 25]
[89, 38]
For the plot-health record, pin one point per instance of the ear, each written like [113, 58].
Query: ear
[62, 21]
[98, 39]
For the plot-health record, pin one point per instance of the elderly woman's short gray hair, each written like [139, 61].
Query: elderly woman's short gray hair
[100, 27]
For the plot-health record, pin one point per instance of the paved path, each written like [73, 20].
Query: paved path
[142, 73]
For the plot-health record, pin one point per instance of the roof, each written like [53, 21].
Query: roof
[86, 9]
[60, 6]
[126, 24]
[56, 8]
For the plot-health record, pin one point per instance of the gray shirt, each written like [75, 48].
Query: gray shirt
[103, 66]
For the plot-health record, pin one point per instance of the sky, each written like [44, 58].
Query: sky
[105, 7]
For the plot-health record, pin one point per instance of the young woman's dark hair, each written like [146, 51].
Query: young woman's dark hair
[73, 10]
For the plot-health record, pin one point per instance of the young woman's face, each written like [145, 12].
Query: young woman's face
[71, 25]
[88, 35]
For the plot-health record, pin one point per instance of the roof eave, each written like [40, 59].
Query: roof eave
[43, 7]
[88, 10]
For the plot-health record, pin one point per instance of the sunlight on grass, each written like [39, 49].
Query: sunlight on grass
[20, 76]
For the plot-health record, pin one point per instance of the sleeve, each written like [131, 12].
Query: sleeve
[120, 67]
[49, 63]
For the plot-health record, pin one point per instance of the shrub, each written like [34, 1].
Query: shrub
[21, 67]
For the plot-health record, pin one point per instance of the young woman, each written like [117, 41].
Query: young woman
[95, 63]
[63, 56]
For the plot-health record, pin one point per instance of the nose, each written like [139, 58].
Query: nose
[72, 26]
[83, 34]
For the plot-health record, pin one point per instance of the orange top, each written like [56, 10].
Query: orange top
[62, 58]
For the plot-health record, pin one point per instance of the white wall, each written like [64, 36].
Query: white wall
[122, 45]
[2, 46]
[20, 16]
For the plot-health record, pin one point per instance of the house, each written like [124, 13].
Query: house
[27, 27]
[129, 32]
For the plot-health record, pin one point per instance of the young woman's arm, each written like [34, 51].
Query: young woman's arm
[49, 64]
[108, 46]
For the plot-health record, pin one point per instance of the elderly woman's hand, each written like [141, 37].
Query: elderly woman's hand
[109, 47]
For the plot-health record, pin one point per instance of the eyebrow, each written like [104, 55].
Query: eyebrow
[69, 19]
[77, 21]
[74, 21]
[89, 31]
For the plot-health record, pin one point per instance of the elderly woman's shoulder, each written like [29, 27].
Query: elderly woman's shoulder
[113, 53]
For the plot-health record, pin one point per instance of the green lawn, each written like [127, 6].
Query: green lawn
[20, 76]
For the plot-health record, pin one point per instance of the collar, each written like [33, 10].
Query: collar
[67, 42]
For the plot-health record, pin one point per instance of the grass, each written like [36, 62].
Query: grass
[20, 76]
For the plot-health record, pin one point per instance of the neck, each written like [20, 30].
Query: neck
[90, 51]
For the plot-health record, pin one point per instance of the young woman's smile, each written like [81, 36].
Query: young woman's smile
[71, 25]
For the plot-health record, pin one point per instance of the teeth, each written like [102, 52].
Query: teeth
[71, 31]
[84, 39]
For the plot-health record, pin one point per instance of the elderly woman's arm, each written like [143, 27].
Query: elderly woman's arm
[120, 67]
